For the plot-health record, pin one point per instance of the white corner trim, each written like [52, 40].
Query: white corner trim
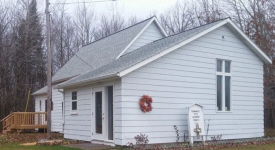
[135, 38]
[255, 48]
[134, 67]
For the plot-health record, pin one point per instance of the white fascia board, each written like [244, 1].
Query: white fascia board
[136, 37]
[160, 27]
[134, 67]
[36, 94]
[250, 43]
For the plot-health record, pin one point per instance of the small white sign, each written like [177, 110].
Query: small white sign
[196, 122]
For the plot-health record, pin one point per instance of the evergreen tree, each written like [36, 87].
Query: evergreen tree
[29, 58]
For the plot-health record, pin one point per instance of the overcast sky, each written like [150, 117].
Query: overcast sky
[139, 8]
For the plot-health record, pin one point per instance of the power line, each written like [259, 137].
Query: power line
[85, 2]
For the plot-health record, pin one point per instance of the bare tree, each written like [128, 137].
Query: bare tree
[133, 20]
[110, 22]
[85, 21]
[256, 19]
[21, 55]
[178, 18]
[6, 22]
[208, 11]
[64, 34]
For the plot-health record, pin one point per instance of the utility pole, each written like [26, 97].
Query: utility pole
[49, 71]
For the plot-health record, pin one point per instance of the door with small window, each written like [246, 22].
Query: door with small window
[98, 114]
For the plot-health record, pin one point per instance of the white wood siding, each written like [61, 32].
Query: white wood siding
[57, 118]
[186, 76]
[79, 126]
[57, 98]
[152, 33]
[39, 98]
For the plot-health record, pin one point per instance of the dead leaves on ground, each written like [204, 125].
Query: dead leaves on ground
[26, 137]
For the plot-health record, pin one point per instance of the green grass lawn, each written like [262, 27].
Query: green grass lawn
[16, 146]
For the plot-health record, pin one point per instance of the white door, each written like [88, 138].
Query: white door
[98, 114]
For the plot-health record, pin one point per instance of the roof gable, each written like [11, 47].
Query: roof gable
[152, 51]
[100, 52]
[151, 32]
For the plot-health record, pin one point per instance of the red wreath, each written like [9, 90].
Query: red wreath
[145, 103]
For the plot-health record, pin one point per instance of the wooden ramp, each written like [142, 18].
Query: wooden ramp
[24, 120]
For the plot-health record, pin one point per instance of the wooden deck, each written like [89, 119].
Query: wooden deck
[24, 120]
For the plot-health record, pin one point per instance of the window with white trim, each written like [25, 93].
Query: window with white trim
[223, 72]
[74, 101]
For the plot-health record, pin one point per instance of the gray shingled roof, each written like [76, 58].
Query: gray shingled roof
[136, 56]
[96, 54]
[41, 91]
[100, 52]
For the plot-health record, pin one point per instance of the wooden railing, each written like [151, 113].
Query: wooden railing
[7, 122]
[24, 120]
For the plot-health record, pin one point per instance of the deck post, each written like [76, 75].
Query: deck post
[38, 122]
[3, 123]
[15, 119]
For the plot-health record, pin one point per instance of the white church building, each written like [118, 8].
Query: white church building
[96, 93]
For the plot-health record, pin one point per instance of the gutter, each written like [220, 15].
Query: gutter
[85, 82]
[62, 80]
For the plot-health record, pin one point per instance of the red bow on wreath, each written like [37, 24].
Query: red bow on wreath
[145, 103]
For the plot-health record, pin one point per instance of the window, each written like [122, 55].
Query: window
[110, 113]
[219, 66]
[219, 93]
[40, 105]
[74, 100]
[46, 106]
[98, 112]
[223, 73]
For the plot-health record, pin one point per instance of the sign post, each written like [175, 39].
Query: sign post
[196, 123]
